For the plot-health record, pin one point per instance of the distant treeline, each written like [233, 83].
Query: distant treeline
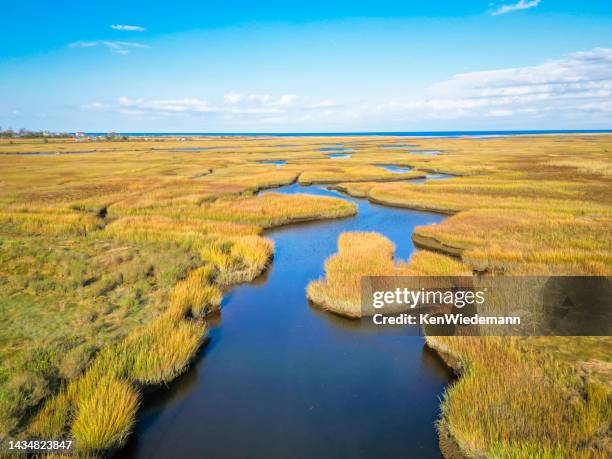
[26, 134]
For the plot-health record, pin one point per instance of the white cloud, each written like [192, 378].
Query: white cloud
[233, 105]
[119, 47]
[94, 106]
[232, 97]
[128, 28]
[326, 103]
[287, 99]
[165, 106]
[520, 5]
[577, 85]
[258, 101]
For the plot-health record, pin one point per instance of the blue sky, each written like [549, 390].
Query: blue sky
[274, 66]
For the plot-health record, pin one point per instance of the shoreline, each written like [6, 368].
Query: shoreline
[449, 446]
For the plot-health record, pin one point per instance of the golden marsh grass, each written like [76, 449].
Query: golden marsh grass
[112, 260]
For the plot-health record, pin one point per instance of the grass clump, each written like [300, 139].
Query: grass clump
[359, 254]
[196, 296]
[511, 401]
[98, 409]
[104, 418]
[52, 419]
[369, 254]
[274, 209]
[162, 350]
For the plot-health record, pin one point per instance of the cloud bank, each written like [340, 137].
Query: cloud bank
[576, 88]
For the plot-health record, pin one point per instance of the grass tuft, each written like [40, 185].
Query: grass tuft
[104, 417]
[511, 401]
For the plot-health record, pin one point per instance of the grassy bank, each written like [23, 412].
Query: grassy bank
[522, 206]
[513, 399]
[369, 254]
[529, 207]
[111, 262]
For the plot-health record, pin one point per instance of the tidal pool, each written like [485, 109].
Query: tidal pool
[282, 379]
[337, 149]
[424, 152]
[278, 162]
[394, 169]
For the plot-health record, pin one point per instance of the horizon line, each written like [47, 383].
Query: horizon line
[286, 133]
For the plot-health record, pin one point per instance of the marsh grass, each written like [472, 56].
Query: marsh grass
[111, 261]
[196, 296]
[513, 402]
[127, 258]
[104, 418]
[369, 254]
[514, 226]
[359, 254]
[235, 251]
[39, 223]
[339, 171]
[162, 350]
[274, 209]
[98, 409]
[63, 299]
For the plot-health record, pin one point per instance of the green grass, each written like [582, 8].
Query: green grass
[63, 299]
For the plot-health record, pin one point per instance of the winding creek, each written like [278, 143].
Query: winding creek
[280, 378]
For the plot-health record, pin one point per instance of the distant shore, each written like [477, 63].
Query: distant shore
[425, 134]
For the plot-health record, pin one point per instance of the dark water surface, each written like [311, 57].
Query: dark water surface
[282, 379]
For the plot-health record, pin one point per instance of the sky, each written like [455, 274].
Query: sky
[305, 66]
